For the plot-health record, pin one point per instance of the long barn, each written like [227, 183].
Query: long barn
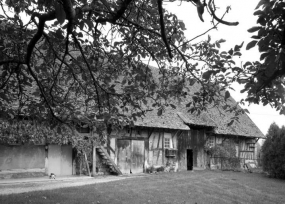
[178, 137]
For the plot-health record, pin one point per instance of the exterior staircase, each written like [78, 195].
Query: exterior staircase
[108, 160]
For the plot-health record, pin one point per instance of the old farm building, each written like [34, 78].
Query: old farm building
[179, 138]
[176, 138]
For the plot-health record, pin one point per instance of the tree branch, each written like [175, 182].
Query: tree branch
[42, 19]
[122, 10]
[218, 19]
[163, 35]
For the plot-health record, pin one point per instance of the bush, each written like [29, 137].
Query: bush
[273, 151]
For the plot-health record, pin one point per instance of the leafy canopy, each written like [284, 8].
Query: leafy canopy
[77, 60]
[264, 80]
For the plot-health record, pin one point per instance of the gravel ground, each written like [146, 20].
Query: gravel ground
[33, 185]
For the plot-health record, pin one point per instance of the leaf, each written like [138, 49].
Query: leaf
[221, 41]
[260, 3]
[172, 106]
[227, 95]
[90, 24]
[230, 123]
[261, 20]
[237, 54]
[80, 35]
[264, 55]
[258, 12]
[209, 38]
[188, 104]
[257, 37]
[236, 48]
[218, 45]
[241, 45]
[251, 44]
[192, 82]
[231, 52]
[59, 34]
[182, 25]
[159, 112]
[247, 64]
[245, 110]
[60, 13]
[254, 29]
[206, 75]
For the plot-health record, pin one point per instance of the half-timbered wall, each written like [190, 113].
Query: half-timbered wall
[154, 144]
[245, 146]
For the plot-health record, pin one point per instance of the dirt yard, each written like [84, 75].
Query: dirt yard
[183, 187]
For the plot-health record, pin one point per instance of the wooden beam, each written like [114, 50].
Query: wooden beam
[158, 141]
[131, 138]
[152, 145]
[150, 132]
[94, 161]
[158, 146]
[110, 148]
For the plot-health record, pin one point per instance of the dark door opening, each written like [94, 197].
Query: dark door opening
[189, 159]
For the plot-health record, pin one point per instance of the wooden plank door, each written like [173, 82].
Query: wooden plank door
[137, 158]
[124, 155]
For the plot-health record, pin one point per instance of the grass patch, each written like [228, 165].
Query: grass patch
[182, 187]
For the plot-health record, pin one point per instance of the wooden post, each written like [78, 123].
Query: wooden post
[46, 160]
[162, 147]
[94, 161]
[87, 165]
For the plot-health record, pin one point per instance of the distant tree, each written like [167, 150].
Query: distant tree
[265, 79]
[273, 151]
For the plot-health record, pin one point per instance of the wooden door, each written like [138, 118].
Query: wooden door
[137, 158]
[54, 159]
[66, 160]
[124, 155]
[189, 159]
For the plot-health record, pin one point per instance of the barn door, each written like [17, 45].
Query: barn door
[54, 154]
[124, 155]
[137, 158]
[60, 160]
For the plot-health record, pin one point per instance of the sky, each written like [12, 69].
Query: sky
[241, 11]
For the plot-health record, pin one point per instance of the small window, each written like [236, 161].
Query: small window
[211, 141]
[166, 142]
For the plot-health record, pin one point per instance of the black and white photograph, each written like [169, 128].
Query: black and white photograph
[142, 101]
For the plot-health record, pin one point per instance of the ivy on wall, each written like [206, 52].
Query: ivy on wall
[226, 153]
[34, 132]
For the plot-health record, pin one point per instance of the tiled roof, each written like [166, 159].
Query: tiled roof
[168, 120]
[215, 118]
